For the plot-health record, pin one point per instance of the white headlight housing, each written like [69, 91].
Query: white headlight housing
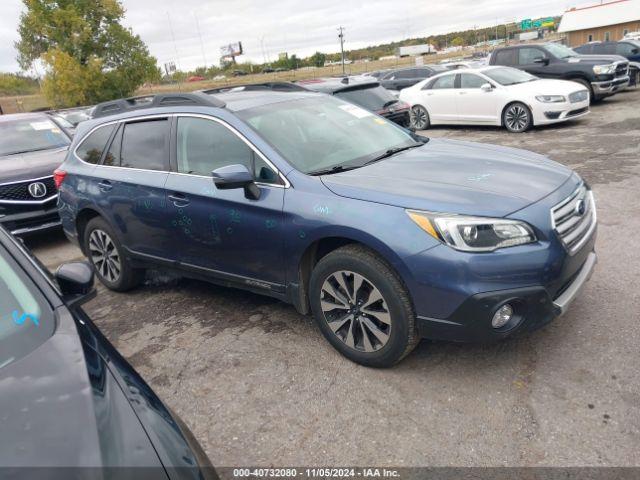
[604, 69]
[551, 98]
[474, 234]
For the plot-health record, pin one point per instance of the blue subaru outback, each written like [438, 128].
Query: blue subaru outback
[384, 235]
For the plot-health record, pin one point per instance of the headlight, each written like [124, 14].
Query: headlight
[473, 234]
[604, 69]
[551, 98]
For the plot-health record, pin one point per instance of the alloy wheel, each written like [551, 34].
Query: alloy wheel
[104, 255]
[419, 118]
[517, 118]
[355, 311]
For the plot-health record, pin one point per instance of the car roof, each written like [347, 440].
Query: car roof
[337, 84]
[242, 100]
[9, 117]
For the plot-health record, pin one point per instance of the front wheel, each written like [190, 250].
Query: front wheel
[362, 308]
[419, 118]
[517, 118]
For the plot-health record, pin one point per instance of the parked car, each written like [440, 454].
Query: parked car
[195, 78]
[386, 236]
[238, 73]
[629, 49]
[376, 74]
[32, 146]
[69, 399]
[500, 96]
[602, 75]
[73, 115]
[363, 91]
[400, 78]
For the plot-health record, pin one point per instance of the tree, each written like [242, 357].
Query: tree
[457, 42]
[317, 59]
[90, 57]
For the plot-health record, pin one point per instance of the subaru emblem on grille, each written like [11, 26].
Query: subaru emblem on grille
[37, 189]
[580, 207]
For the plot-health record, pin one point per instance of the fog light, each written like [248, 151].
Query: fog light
[502, 316]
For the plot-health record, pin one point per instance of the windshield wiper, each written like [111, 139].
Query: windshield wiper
[334, 169]
[389, 103]
[393, 151]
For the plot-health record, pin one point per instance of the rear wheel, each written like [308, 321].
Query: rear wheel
[106, 254]
[517, 118]
[419, 118]
[362, 308]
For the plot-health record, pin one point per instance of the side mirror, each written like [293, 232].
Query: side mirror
[541, 61]
[75, 280]
[486, 87]
[236, 176]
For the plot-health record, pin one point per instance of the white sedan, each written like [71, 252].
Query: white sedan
[501, 96]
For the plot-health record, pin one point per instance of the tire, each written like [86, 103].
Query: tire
[587, 85]
[419, 118]
[377, 328]
[517, 117]
[115, 270]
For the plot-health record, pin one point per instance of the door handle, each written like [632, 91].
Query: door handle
[429, 94]
[462, 93]
[105, 185]
[179, 200]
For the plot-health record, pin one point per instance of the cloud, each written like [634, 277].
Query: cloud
[192, 31]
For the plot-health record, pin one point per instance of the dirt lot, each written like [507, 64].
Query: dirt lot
[258, 385]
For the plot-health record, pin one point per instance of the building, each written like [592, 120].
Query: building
[602, 22]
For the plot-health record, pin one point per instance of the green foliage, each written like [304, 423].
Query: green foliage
[12, 84]
[317, 59]
[90, 56]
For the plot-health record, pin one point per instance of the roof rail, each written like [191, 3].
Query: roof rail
[151, 101]
[246, 87]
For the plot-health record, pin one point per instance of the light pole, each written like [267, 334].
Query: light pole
[341, 37]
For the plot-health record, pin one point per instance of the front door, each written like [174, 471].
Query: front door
[474, 104]
[440, 99]
[222, 232]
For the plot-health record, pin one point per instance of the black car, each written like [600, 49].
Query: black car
[407, 77]
[365, 92]
[602, 75]
[32, 146]
[69, 399]
[629, 49]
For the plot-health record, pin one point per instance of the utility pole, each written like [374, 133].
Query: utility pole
[204, 57]
[341, 36]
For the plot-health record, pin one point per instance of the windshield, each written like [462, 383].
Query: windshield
[375, 99]
[560, 51]
[323, 132]
[26, 321]
[509, 76]
[30, 135]
[75, 117]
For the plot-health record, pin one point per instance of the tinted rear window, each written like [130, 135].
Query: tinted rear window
[26, 319]
[144, 144]
[373, 99]
[91, 148]
[504, 57]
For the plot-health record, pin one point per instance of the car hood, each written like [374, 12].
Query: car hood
[27, 166]
[455, 177]
[596, 59]
[60, 407]
[547, 87]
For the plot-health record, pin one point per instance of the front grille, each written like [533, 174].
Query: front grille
[19, 192]
[574, 219]
[622, 69]
[579, 96]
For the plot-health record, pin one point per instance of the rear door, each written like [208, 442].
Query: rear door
[400, 79]
[223, 233]
[440, 98]
[131, 183]
[475, 105]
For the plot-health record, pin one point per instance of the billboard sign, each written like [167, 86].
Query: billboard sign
[231, 50]
[170, 67]
[528, 24]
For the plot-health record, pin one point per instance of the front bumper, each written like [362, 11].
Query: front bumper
[547, 113]
[27, 221]
[533, 308]
[609, 87]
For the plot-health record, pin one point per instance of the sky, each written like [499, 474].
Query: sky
[191, 32]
